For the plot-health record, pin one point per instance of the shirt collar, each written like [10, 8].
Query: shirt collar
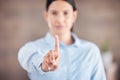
[50, 39]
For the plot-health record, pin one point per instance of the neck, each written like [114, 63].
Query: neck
[66, 38]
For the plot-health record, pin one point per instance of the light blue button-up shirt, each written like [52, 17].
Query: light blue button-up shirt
[79, 61]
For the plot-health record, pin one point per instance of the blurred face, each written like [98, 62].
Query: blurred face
[60, 17]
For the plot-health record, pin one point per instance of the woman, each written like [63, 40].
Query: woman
[61, 55]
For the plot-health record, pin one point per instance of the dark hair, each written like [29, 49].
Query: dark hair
[71, 2]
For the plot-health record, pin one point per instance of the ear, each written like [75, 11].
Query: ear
[75, 13]
[45, 14]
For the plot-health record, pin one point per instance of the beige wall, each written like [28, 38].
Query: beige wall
[22, 21]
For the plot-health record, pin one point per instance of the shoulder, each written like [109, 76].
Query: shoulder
[89, 48]
[84, 44]
[32, 45]
[88, 45]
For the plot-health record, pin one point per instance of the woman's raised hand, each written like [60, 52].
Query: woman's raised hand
[51, 59]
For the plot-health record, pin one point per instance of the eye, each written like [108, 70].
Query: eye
[65, 13]
[54, 13]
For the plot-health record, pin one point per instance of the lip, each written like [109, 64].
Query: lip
[59, 27]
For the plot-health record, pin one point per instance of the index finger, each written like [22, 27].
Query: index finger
[56, 43]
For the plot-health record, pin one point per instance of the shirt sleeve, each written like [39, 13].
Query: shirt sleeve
[30, 58]
[98, 72]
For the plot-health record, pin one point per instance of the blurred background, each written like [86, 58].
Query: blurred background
[22, 21]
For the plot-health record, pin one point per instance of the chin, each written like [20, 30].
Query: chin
[61, 32]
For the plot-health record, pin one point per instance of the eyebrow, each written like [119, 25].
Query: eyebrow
[58, 10]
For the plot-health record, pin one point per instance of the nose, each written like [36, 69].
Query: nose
[60, 18]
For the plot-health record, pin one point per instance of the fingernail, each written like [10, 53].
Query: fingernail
[54, 62]
[49, 68]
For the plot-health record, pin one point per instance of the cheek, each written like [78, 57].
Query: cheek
[50, 22]
[70, 22]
